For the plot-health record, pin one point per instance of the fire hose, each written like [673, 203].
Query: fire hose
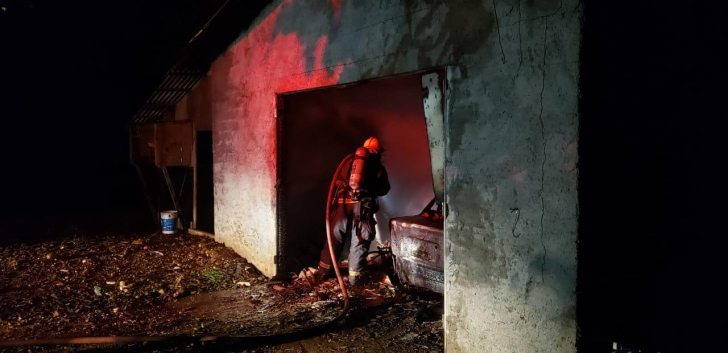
[240, 340]
[333, 197]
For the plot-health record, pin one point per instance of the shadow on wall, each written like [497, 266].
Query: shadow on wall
[469, 22]
[321, 127]
[291, 15]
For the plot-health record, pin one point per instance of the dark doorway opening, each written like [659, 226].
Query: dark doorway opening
[318, 128]
[204, 208]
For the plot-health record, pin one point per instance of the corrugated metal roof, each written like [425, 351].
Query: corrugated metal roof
[221, 30]
[175, 86]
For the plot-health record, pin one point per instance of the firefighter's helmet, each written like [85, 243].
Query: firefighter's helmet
[372, 144]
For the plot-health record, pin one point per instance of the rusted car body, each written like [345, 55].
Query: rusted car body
[417, 246]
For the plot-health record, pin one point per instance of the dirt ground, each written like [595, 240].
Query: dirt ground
[184, 286]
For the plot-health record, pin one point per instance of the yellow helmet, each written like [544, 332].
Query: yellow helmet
[371, 143]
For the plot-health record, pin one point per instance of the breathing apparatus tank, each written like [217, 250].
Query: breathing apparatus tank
[358, 168]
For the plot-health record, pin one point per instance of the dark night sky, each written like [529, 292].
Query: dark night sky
[652, 160]
[73, 73]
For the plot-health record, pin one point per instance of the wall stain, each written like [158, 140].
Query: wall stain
[453, 320]
[459, 120]
[289, 22]
[545, 5]
[464, 27]
[541, 8]
[477, 256]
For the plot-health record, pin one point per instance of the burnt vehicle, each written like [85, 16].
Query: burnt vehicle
[417, 248]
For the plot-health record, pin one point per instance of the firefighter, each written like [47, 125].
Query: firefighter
[352, 217]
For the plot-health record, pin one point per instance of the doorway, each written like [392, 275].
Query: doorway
[204, 192]
[318, 128]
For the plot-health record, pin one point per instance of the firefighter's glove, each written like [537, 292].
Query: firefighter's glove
[366, 229]
[369, 206]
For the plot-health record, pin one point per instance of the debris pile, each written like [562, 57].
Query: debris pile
[377, 287]
[99, 285]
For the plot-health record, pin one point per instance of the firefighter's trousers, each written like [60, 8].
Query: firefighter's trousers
[348, 220]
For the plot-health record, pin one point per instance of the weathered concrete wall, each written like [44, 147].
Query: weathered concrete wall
[512, 143]
[511, 132]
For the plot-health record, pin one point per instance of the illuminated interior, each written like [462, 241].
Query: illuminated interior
[320, 127]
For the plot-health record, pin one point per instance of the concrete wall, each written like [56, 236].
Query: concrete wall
[512, 143]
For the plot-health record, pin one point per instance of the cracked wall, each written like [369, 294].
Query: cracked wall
[511, 131]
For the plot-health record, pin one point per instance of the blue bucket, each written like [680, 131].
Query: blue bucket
[169, 222]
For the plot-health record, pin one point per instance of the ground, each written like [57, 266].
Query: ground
[184, 285]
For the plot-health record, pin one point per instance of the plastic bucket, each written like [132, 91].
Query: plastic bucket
[169, 222]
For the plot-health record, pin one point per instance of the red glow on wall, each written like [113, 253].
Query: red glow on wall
[336, 4]
[279, 54]
[266, 59]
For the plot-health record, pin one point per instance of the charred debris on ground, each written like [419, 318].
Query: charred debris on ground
[141, 284]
